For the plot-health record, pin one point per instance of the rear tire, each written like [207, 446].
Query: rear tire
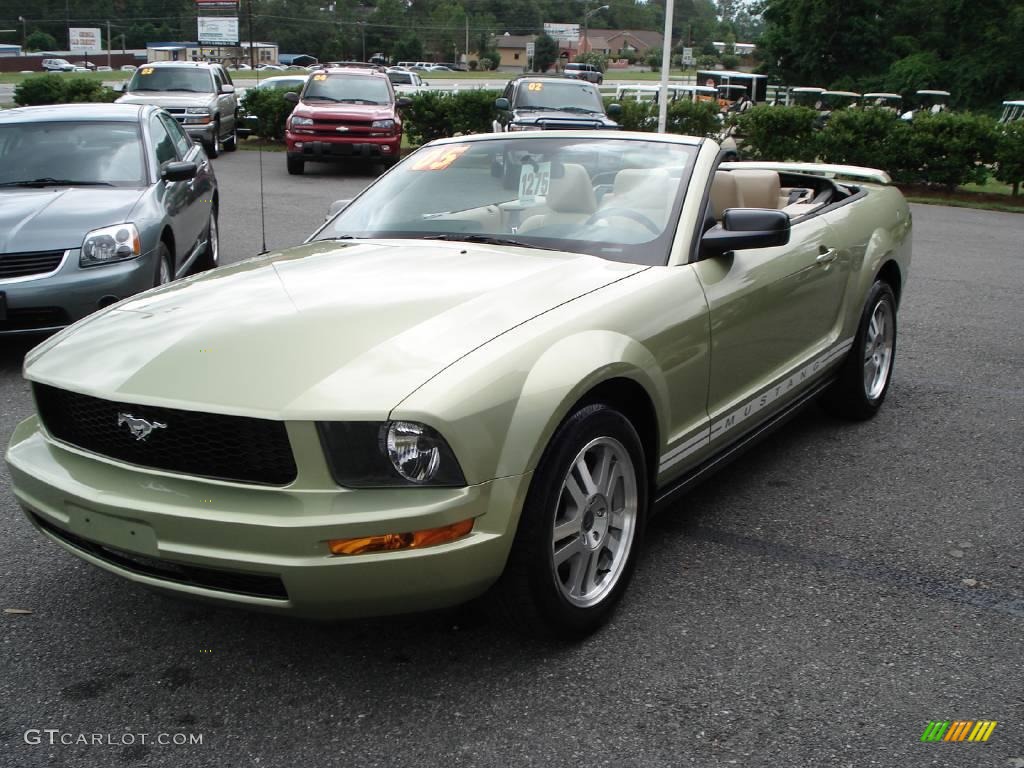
[580, 530]
[864, 379]
[296, 165]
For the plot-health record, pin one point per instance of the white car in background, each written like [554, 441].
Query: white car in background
[404, 81]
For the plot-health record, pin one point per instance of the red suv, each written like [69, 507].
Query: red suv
[344, 114]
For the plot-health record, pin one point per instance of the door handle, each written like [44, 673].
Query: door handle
[827, 255]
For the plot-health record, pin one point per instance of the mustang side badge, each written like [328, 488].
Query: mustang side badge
[140, 428]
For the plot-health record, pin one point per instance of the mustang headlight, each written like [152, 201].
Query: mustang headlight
[524, 127]
[297, 121]
[374, 454]
[110, 244]
[382, 125]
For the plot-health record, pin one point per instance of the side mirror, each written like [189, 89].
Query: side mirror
[744, 228]
[178, 171]
[124, 87]
[291, 97]
[227, 88]
[614, 110]
[502, 104]
[336, 207]
[403, 101]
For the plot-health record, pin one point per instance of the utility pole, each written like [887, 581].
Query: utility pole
[666, 63]
[467, 43]
[109, 43]
[24, 32]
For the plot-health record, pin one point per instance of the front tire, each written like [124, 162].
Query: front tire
[231, 142]
[580, 530]
[296, 165]
[213, 146]
[864, 379]
[164, 270]
[210, 257]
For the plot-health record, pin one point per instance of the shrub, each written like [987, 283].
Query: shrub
[875, 138]
[954, 148]
[691, 118]
[778, 133]
[434, 115]
[59, 89]
[83, 90]
[1010, 154]
[270, 109]
[40, 89]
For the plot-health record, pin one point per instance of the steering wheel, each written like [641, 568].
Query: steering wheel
[625, 213]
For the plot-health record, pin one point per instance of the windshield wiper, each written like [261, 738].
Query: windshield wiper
[484, 239]
[50, 182]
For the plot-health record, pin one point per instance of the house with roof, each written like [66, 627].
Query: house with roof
[615, 42]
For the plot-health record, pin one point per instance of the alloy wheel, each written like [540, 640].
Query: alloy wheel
[878, 346]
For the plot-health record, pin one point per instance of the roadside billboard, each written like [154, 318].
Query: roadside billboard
[566, 32]
[85, 39]
[218, 30]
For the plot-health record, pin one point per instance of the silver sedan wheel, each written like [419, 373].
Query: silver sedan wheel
[878, 344]
[214, 245]
[165, 272]
[595, 522]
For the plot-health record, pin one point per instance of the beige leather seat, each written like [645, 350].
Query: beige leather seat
[648, 191]
[759, 189]
[570, 201]
[724, 193]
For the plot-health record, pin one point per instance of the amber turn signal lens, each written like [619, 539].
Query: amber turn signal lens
[390, 542]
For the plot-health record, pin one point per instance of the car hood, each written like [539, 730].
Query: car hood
[331, 111]
[54, 218]
[564, 119]
[167, 99]
[318, 331]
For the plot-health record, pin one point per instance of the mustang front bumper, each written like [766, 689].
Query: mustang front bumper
[263, 547]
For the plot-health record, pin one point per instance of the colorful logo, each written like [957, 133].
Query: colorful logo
[958, 730]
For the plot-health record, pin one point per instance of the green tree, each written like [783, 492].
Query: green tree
[40, 41]
[408, 47]
[545, 53]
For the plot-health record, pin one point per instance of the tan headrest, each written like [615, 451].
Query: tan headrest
[572, 193]
[642, 188]
[758, 189]
[724, 193]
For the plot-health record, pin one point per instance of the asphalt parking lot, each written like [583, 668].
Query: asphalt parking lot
[816, 604]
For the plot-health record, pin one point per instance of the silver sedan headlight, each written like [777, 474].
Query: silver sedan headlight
[110, 244]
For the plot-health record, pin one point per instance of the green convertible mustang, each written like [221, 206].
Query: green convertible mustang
[480, 376]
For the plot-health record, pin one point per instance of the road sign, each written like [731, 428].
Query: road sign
[218, 30]
[85, 39]
[530, 48]
[688, 59]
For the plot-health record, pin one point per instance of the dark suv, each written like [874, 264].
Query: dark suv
[552, 103]
[344, 114]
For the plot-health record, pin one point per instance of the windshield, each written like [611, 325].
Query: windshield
[348, 89]
[565, 95]
[103, 153]
[171, 79]
[613, 198]
[400, 78]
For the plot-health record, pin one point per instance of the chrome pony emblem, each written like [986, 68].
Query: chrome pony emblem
[140, 428]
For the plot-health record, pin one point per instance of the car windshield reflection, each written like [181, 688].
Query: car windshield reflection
[616, 199]
[71, 153]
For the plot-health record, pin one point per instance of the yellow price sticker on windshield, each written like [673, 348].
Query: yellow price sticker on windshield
[319, 77]
[535, 87]
[146, 71]
[440, 158]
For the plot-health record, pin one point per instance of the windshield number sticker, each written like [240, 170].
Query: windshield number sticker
[319, 77]
[439, 159]
[535, 87]
[534, 181]
[146, 71]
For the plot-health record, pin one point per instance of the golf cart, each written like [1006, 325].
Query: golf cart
[806, 97]
[756, 85]
[890, 101]
[833, 100]
[1012, 112]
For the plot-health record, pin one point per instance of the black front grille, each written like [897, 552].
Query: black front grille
[33, 319]
[235, 448]
[258, 585]
[26, 264]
